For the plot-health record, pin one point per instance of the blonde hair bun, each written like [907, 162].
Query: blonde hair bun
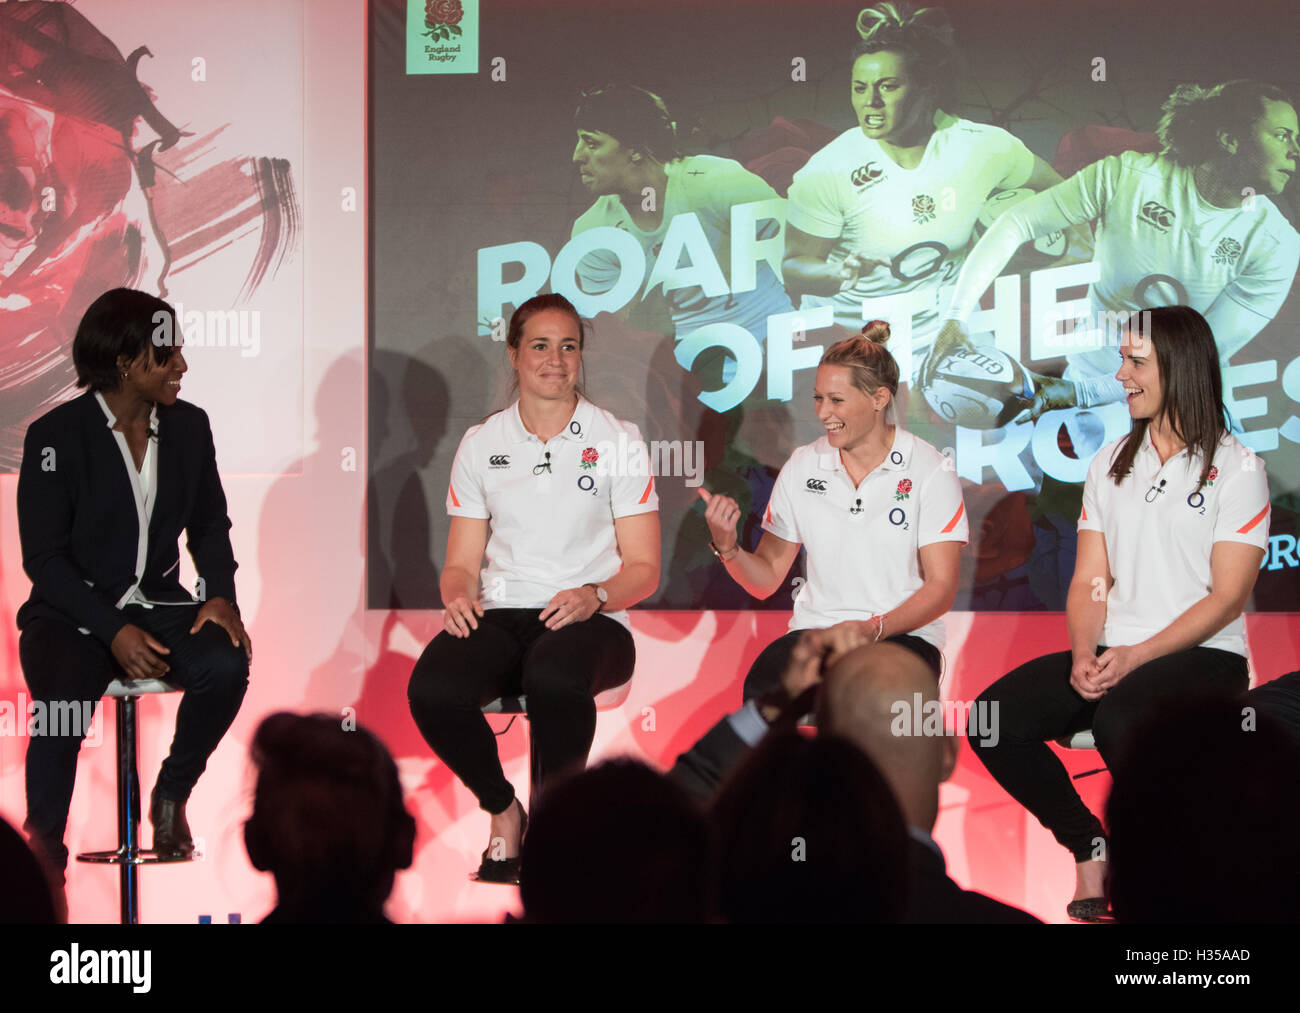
[876, 331]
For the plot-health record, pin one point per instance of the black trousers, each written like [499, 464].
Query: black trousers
[62, 666]
[1036, 703]
[765, 673]
[512, 653]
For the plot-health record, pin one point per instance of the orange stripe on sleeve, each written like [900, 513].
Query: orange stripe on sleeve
[961, 509]
[769, 514]
[451, 491]
[649, 488]
[1085, 513]
[1254, 520]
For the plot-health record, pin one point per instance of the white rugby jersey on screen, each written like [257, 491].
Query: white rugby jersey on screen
[706, 187]
[550, 530]
[862, 542]
[1235, 265]
[917, 222]
[1159, 537]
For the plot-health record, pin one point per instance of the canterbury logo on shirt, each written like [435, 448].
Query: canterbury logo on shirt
[1156, 214]
[816, 485]
[499, 461]
[865, 175]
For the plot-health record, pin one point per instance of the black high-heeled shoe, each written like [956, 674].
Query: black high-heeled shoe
[502, 870]
[1089, 909]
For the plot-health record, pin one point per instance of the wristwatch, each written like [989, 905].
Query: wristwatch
[602, 596]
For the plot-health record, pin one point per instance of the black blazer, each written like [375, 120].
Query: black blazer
[77, 517]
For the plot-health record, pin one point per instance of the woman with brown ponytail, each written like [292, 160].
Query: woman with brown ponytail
[879, 510]
[1171, 537]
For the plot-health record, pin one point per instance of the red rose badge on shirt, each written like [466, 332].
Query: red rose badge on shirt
[1214, 473]
[590, 457]
[904, 489]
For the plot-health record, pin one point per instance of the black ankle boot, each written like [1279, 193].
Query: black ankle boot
[171, 831]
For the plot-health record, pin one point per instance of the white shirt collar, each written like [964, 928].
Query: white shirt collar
[898, 458]
[577, 430]
[112, 419]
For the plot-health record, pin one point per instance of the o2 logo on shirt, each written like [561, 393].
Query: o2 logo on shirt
[898, 518]
[1197, 502]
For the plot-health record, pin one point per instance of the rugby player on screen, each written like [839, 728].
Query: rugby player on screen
[628, 155]
[886, 212]
[1190, 226]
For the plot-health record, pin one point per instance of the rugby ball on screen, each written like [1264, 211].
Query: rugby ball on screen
[979, 387]
[1049, 247]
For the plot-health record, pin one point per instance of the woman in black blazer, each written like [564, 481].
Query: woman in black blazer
[108, 482]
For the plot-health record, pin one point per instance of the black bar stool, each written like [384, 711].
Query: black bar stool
[128, 854]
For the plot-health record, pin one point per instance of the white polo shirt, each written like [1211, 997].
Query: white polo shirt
[551, 529]
[1159, 531]
[863, 541]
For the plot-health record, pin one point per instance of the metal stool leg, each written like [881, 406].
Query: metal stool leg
[128, 810]
[128, 855]
[534, 770]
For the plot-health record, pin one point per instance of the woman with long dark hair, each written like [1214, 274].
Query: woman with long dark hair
[570, 530]
[1172, 533]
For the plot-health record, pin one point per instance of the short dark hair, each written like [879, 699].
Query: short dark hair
[1194, 117]
[328, 816]
[121, 322]
[634, 117]
[616, 843]
[808, 830]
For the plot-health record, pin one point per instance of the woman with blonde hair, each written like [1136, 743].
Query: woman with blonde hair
[879, 510]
